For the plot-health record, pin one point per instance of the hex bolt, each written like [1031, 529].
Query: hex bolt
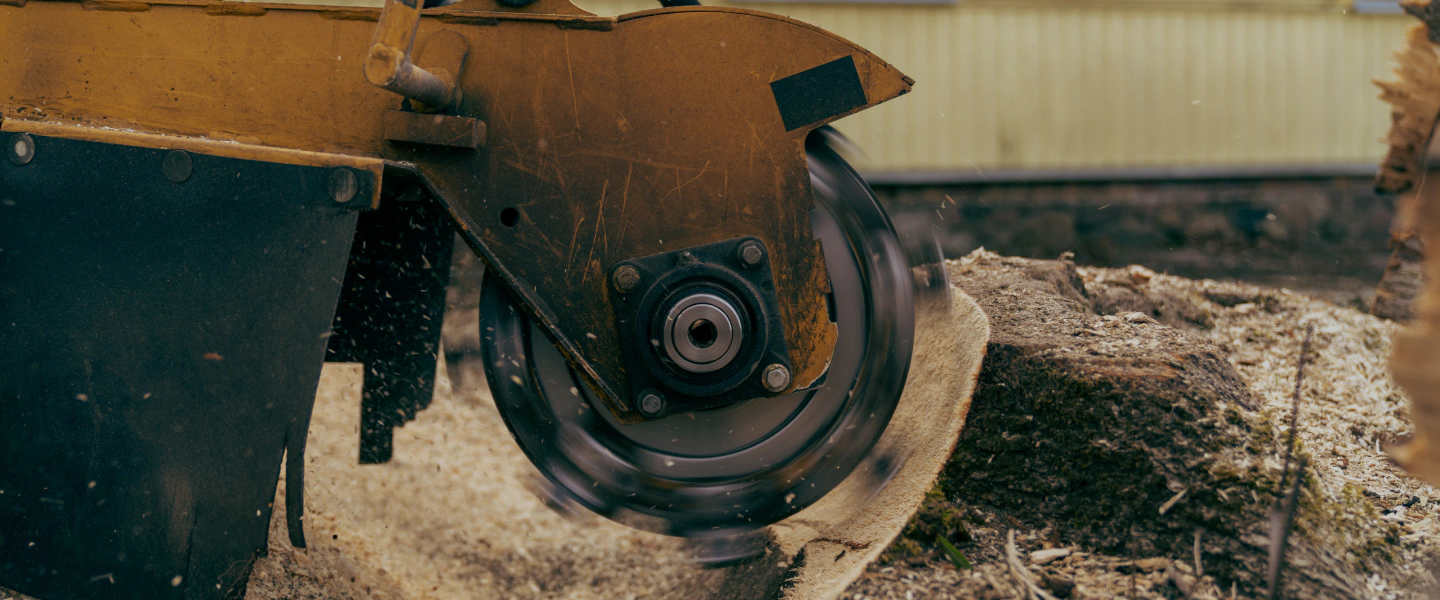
[775, 377]
[177, 166]
[342, 185]
[651, 403]
[20, 149]
[751, 254]
[626, 278]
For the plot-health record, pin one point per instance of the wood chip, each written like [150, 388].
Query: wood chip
[1042, 557]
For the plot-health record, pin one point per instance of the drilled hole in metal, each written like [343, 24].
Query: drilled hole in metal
[509, 217]
[703, 333]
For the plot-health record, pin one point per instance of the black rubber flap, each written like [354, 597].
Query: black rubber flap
[160, 346]
[814, 95]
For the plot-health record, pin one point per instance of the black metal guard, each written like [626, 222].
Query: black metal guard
[163, 321]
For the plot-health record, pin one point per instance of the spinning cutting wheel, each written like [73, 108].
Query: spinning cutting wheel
[723, 471]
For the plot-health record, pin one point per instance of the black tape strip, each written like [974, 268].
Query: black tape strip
[817, 94]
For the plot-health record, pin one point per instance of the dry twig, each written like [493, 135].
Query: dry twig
[1281, 520]
[1022, 575]
[1295, 409]
[1169, 504]
[1282, 517]
[1177, 579]
[1134, 571]
[990, 579]
[1199, 566]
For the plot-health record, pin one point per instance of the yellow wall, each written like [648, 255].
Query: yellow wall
[1086, 84]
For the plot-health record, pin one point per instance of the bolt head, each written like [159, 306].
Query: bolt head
[751, 254]
[651, 403]
[626, 278]
[342, 185]
[20, 149]
[775, 377]
[177, 166]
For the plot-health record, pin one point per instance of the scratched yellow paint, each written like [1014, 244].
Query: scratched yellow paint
[1084, 84]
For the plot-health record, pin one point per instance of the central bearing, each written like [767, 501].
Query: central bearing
[702, 333]
[696, 325]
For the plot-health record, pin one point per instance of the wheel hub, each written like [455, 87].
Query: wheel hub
[702, 333]
[763, 455]
[696, 326]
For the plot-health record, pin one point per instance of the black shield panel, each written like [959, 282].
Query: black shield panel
[163, 322]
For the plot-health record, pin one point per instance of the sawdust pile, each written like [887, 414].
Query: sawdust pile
[450, 515]
[1364, 529]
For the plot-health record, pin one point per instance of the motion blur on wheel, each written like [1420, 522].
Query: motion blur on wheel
[696, 320]
[709, 461]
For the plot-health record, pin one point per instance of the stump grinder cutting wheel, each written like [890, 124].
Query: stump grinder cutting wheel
[721, 471]
[697, 319]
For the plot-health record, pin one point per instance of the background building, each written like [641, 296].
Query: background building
[1113, 85]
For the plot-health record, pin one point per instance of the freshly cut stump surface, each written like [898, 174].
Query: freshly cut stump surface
[1125, 422]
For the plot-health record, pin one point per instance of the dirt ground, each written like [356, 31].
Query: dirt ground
[452, 516]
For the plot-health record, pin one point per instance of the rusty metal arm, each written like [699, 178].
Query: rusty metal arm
[388, 64]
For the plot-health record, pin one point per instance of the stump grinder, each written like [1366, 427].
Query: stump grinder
[696, 319]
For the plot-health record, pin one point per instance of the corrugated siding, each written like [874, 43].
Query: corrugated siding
[1095, 85]
[1111, 84]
